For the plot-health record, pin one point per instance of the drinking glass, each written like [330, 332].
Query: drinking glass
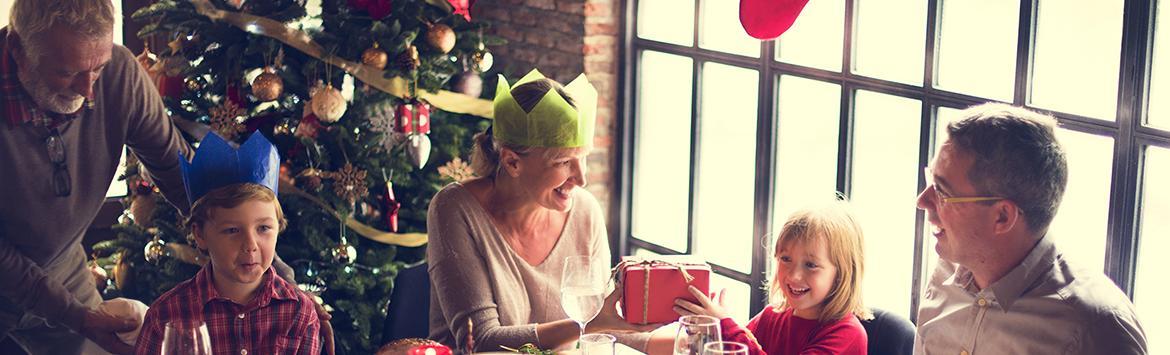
[724, 347]
[186, 338]
[598, 344]
[583, 284]
[693, 332]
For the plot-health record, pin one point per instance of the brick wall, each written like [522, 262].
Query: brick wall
[564, 38]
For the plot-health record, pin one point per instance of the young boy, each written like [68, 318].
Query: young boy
[235, 218]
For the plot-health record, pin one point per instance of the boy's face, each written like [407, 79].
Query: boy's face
[241, 242]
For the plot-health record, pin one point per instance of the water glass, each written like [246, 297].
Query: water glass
[693, 332]
[598, 344]
[186, 338]
[725, 347]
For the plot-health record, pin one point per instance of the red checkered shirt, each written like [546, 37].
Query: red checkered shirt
[279, 320]
[15, 104]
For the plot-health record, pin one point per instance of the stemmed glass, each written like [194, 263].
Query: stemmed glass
[583, 284]
[693, 332]
[725, 348]
[186, 338]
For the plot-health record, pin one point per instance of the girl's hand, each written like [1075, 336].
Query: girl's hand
[608, 320]
[709, 305]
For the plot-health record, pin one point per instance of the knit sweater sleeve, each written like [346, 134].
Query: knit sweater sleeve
[746, 335]
[459, 278]
[150, 134]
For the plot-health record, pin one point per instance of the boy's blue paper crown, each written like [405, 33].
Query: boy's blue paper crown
[217, 164]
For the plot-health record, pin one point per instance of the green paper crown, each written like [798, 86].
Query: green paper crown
[552, 123]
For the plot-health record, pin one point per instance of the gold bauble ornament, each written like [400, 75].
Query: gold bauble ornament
[267, 86]
[441, 36]
[122, 278]
[482, 61]
[344, 253]
[403, 346]
[142, 209]
[100, 276]
[328, 104]
[155, 250]
[375, 57]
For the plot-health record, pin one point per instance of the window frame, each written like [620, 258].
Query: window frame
[1129, 135]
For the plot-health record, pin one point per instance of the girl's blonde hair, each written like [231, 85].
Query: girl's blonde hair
[834, 226]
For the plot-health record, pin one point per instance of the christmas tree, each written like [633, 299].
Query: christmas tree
[352, 93]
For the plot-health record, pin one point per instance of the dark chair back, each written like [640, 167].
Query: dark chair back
[889, 334]
[409, 311]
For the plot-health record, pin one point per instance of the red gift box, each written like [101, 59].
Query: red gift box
[649, 287]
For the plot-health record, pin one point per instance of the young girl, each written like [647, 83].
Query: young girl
[816, 293]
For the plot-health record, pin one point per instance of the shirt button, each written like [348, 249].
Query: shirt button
[982, 303]
[243, 351]
[241, 316]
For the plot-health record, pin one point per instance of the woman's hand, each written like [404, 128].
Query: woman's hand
[608, 320]
[709, 305]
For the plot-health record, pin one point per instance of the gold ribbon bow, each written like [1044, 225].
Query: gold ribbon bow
[647, 265]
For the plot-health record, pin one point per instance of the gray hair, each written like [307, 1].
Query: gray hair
[1016, 156]
[31, 19]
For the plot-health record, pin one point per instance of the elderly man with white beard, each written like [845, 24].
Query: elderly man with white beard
[69, 100]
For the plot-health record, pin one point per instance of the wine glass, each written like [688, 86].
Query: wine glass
[186, 338]
[598, 344]
[725, 348]
[693, 332]
[583, 284]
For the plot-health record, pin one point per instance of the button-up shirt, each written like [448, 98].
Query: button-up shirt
[279, 320]
[1045, 305]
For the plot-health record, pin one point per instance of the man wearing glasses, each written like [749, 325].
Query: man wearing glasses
[69, 100]
[1002, 286]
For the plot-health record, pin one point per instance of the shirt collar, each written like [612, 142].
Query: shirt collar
[270, 289]
[15, 103]
[1020, 279]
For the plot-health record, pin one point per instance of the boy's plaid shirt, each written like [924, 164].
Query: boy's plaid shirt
[279, 320]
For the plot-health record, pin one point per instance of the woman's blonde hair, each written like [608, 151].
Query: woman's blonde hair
[834, 226]
[31, 19]
[231, 196]
[485, 155]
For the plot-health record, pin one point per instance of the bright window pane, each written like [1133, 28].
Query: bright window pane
[1150, 286]
[973, 57]
[1159, 115]
[1080, 224]
[736, 297]
[727, 166]
[806, 153]
[885, 183]
[720, 29]
[890, 39]
[1078, 46]
[670, 21]
[815, 38]
[662, 151]
[118, 188]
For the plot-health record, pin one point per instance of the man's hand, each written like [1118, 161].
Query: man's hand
[102, 327]
[709, 305]
[608, 320]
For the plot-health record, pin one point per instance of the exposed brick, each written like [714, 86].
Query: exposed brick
[601, 28]
[543, 4]
[598, 9]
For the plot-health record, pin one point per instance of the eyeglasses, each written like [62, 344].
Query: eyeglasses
[944, 200]
[62, 183]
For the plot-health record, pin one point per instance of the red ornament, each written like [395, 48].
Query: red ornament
[378, 9]
[462, 7]
[391, 205]
[413, 117]
[768, 19]
[170, 86]
[309, 126]
[429, 349]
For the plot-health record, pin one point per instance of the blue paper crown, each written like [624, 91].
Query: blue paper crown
[217, 164]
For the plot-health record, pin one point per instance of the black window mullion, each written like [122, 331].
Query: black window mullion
[925, 144]
[765, 173]
[696, 85]
[1025, 52]
[1136, 40]
[845, 137]
[626, 107]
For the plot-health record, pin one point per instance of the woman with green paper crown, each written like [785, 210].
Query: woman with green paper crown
[498, 242]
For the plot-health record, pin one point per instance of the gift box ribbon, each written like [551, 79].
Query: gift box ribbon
[647, 265]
